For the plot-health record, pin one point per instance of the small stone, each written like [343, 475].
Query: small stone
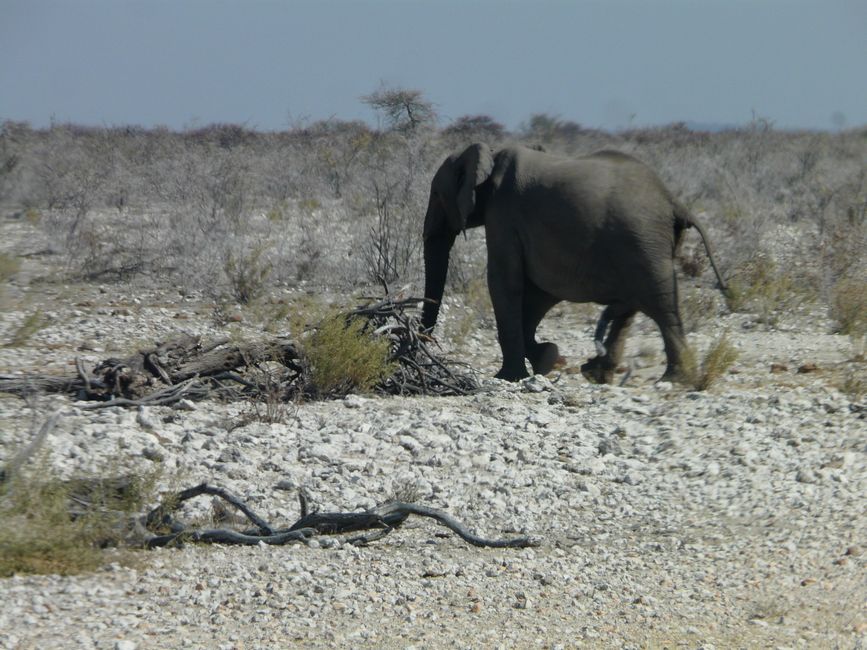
[353, 401]
[806, 368]
[230, 455]
[124, 644]
[805, 476]
[609, 445]
[286, 484]
[185, 405]
[153, 454]
[777, 368]
[536, 384]
[145, 419]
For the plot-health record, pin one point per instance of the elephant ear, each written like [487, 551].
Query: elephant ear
[474, 166]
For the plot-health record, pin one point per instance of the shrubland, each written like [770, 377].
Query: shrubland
[231, 211]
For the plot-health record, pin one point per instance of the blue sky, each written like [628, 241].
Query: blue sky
[606, 64]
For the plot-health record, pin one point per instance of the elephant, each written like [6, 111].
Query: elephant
[601, 228]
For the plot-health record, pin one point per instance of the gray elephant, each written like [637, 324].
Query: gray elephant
[601, 228]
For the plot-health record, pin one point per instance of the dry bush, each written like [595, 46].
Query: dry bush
[761, 285]
[248, 275]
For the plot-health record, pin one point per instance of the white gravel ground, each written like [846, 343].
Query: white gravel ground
[729, 518]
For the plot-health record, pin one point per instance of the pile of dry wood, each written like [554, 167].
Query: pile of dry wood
[186, 367]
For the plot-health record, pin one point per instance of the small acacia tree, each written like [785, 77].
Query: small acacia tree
[402, 109]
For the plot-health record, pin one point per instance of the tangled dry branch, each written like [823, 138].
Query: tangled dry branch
[188, 368]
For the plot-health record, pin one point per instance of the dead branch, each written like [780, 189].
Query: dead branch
[383, 519]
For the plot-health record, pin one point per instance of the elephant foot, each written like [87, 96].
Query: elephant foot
[677, 375]
[546, 358]
[512, 375]
[599, 370]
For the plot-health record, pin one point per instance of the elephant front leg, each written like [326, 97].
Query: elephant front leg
[512, 345]
[505, 283]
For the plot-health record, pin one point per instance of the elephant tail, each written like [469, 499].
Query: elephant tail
[686, 220]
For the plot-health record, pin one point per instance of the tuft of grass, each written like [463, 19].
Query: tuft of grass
[309, 205]
[32, 324]
[849, 306]
[717, 360]
[277, 214]
[343, 357]
[56, 526]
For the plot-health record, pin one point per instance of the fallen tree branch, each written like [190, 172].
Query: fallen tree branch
[384, 519]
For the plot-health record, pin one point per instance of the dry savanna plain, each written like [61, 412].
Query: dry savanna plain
[728, 513]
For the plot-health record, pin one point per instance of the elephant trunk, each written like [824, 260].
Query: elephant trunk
[436, 266]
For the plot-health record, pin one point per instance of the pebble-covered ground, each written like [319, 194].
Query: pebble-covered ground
[729, 518]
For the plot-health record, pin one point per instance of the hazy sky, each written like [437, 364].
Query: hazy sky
[600, 63]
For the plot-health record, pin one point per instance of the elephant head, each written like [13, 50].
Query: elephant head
[452, 200]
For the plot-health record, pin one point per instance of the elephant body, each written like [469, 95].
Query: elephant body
[602, 228]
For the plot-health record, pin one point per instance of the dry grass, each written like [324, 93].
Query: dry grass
[717, 360]
[40, 536]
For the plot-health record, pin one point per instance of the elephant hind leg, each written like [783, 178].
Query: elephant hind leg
[675, 343]
[600, 369]
[544, 357]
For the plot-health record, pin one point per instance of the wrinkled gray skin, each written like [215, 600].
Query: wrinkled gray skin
[601, 228]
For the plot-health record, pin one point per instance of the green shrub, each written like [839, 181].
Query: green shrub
[342, 357]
